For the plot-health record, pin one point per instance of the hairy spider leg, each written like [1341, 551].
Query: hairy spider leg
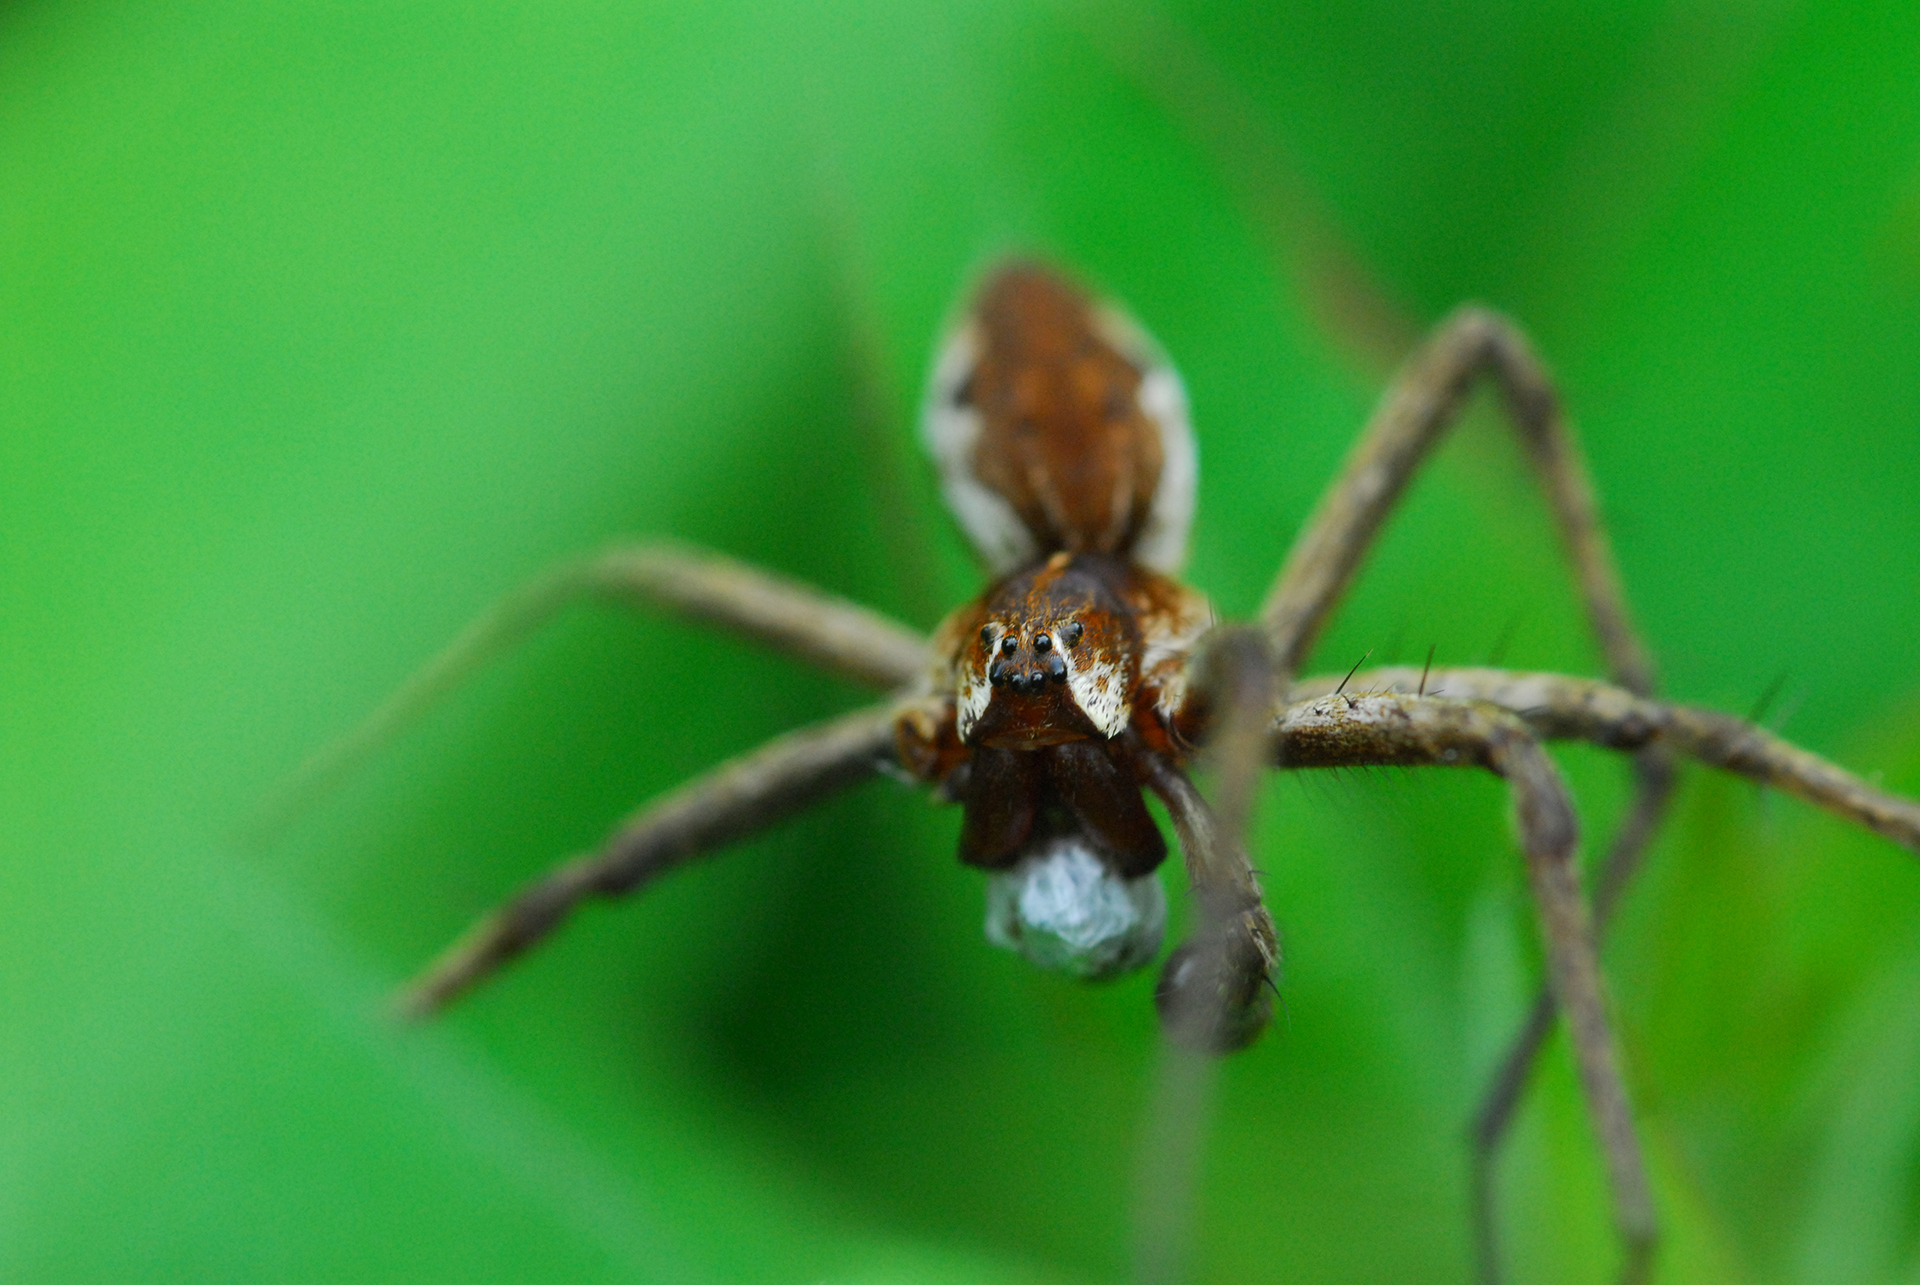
[1216, 991]
[731, 801]
[1423, 401]
[1562, 707]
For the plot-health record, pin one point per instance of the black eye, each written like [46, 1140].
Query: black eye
[1070, 633]
[1009, 644]
[1043, 643]
[986, 635]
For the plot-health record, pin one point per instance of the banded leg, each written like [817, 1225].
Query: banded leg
[1398, 730]
[730, 802]
[1422, 403]
[829, 631]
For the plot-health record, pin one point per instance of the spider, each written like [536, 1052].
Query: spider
[1087, 675]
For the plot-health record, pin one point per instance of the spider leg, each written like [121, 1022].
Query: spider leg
[1215, 992]
[1423, 401]
[1563, 707]
[1398, 730]
[1420, 405]
[1652, 790]
[1558, 706]
[730, 802]
[827, 630]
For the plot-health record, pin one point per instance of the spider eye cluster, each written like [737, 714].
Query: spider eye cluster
[1031, 674]
[1066, 635]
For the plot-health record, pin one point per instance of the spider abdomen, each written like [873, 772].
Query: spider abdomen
[1059, 426]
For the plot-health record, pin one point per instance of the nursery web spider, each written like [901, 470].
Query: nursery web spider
[1086, 674]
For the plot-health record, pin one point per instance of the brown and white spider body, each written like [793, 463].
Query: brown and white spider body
[1057, 424]
[1085, 674]
[1062, 439]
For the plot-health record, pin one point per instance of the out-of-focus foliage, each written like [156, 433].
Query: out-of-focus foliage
[323, 324]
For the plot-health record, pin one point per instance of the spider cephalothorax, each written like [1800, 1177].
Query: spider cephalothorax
[1042, 680]
[1086, 674]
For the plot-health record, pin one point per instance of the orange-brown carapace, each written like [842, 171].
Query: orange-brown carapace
[1062, 439]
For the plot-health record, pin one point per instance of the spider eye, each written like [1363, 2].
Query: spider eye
[1009, 644]
[986, 635]
[1070, 633]
[1043, 643]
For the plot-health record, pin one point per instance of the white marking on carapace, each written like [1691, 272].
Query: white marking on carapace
[1162, 541]
[974, 692]
[952, 435]
[1099, 688]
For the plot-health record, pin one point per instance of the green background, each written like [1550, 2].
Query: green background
[323, 324]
